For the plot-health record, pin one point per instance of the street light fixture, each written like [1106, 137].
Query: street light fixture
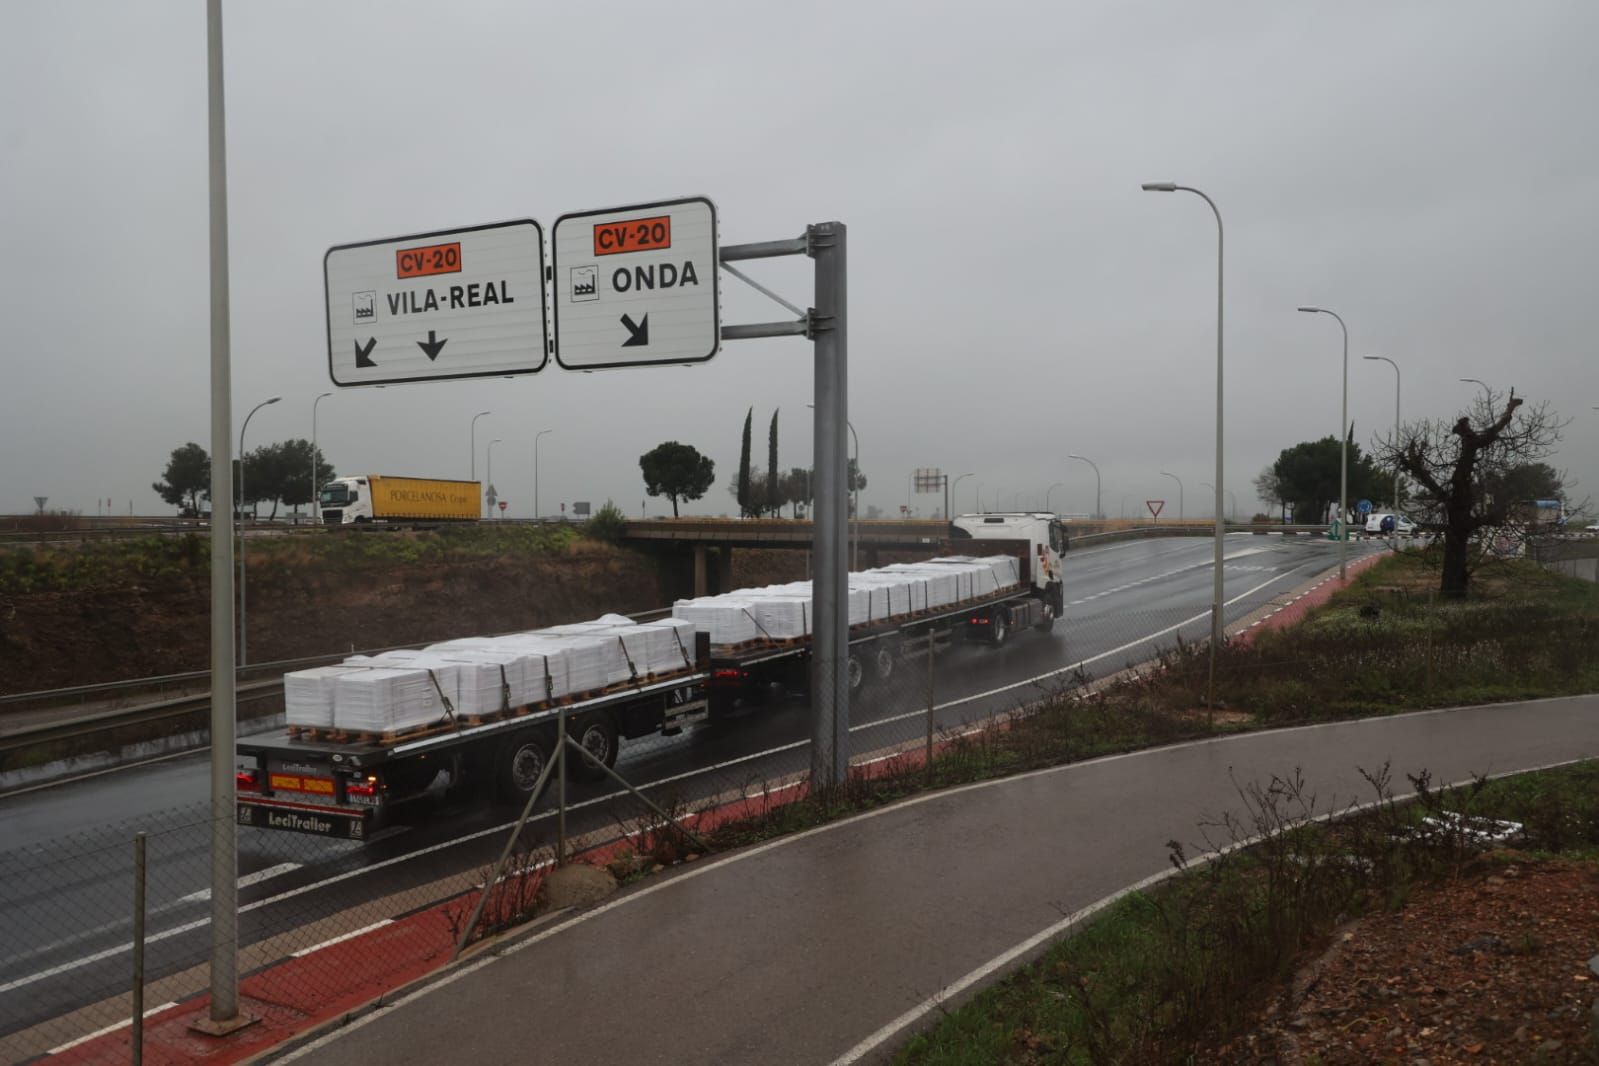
[1052, 488]
[1179, 481]
[1099, 512]
[1390, 362]
[1343, 450]
[1221, 526]
[490, 473]
[243, 657]
[536, 437]
[316, 506]
[475, 441]
[1476, 381]
[955, 483]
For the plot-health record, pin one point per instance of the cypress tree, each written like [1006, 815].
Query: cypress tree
[744, 500]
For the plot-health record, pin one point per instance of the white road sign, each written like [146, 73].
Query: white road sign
[636, 286]
[454, 304]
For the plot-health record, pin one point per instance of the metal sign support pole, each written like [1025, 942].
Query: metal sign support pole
[224, 1015]
[830, 592]
[827, 326]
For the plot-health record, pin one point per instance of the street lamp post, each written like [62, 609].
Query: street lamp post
[536, 437]
[956, 484]
[316, 507]
[1232, 500]
[1486, 391]
[1343, 451]
[475, 417]
[1099, 512]
[243, 657]
[1221, 526]
[1052, 488]
[490, 474]
[1390, 362]
[1174, 477]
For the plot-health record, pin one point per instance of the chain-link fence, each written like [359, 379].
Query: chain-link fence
[325, 925]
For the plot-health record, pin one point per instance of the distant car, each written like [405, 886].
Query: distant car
[1401, 525]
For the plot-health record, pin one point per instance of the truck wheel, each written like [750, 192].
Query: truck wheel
[1046, 621]
[883, 662]
[597, 736]
[998, 629]
[522, 759]
[856, 671]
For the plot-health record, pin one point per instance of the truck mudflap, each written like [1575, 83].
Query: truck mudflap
[340, 823]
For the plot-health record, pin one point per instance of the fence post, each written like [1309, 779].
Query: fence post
[931, 701]
[138, 949]
[560, 785]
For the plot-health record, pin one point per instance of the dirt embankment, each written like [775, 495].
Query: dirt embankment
[296, 607]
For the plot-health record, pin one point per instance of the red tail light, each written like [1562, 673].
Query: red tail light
[728, 675]
[246, 781]
[358, 787]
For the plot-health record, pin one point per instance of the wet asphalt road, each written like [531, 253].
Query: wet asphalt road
[65, 852]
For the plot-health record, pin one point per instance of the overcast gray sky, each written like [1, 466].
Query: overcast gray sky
[1429, 170]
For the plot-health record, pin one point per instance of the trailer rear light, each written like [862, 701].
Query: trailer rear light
[728, 675]
[246, 781]
[358, 787]
[976, 621]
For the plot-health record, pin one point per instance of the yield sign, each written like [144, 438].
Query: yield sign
[1155, 506]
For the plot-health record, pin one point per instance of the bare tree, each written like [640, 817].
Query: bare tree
[1455, 465]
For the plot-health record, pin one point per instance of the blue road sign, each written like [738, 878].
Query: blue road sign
[1364, 507]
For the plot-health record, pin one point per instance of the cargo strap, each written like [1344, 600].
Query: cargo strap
[549, 682]
[449, 708]
[630, 667]
[505, 691]
[688, 664]
[758, 625]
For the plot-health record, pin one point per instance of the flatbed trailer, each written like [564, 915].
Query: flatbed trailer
[351, 788]
[741, 673]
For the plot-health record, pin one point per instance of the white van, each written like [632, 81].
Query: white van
[1403, 526]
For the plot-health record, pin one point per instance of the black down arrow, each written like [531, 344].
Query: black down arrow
[363, 356]
[433, 345]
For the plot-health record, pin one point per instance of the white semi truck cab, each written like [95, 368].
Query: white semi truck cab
[1044, 535]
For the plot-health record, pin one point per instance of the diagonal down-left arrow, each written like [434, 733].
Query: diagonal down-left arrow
[363, 356]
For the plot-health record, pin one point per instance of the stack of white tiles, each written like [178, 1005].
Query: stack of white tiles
[783, 612]
[401, 691]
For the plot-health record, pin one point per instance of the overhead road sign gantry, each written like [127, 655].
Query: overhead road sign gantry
[460, 303]
[636, 286]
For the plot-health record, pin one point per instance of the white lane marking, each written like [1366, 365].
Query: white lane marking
[244, 882]
[348, 874]
[86, 1037]
[913, 801]
[303, 952]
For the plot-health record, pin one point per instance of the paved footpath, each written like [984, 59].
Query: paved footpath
[831, 945]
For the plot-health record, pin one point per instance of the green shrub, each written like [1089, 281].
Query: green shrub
[607, 524]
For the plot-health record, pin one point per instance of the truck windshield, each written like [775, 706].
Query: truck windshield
[334, 496]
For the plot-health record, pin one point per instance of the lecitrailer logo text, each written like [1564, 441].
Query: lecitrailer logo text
[307, 823]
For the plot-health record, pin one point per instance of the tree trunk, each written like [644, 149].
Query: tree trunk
[674, 506]
[1457, 574]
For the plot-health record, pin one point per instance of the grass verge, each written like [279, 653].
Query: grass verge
[1161, 975]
